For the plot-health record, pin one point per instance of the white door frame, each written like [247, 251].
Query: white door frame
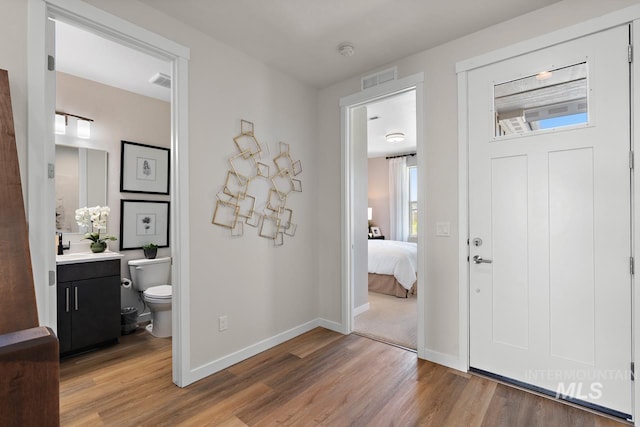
[40, 147]
[347, 187]
[629, 15]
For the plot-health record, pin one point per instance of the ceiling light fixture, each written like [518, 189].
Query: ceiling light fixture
[346, 49]
[395, 137]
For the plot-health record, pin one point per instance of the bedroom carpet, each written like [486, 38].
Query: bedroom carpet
[390, 319]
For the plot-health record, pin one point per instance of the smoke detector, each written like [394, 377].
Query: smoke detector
[346, 49]
[161, 79]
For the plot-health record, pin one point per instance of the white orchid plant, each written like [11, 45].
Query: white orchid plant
[95, 219]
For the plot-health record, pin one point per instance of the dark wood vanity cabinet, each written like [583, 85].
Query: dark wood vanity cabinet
[88, 305]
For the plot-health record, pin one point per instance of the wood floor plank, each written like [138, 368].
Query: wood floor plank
[222, 411]
[319, 378]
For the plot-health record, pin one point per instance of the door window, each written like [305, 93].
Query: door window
[546, 100]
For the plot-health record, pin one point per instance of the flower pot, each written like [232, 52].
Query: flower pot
[150, 253]
[97, 247]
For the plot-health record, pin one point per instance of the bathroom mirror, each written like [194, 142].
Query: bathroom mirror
[81, 180]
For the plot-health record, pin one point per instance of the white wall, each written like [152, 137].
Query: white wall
[360, 242]
[263, 290]
[439, 149]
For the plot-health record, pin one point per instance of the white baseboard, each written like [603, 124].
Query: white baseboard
[445, 359]
[224, 362]
[361, 309]
[332, 326]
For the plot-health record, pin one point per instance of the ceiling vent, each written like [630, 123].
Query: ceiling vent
[379, 78]
[161, 79]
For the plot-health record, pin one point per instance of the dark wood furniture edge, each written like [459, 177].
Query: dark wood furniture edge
[30, 372]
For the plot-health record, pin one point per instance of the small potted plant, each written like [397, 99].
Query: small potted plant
[150, 250]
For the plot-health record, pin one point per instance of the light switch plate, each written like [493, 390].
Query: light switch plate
[443, 229]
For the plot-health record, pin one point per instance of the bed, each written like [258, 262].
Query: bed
[393, 267]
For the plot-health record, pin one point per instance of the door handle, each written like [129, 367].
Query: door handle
[75, 290]
[479, 260]
[66, 292]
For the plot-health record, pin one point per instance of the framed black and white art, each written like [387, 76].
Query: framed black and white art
[143, 222]
[144, 168]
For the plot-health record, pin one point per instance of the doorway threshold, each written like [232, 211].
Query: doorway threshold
[374, 338]
[540, 391]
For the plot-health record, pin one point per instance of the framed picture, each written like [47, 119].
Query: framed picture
[143, 222]
[376, 231]
[144, 168]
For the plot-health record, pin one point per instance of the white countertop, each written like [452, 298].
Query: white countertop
[86, 257]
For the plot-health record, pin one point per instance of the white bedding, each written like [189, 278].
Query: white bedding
[399, 259]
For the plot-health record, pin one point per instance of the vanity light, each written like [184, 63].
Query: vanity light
[61, 124]
[84, 129]
[395, 137]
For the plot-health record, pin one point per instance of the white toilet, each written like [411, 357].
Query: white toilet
[152, 277]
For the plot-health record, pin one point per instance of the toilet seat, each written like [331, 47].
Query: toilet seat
[161, 293]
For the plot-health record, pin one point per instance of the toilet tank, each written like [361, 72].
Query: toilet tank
[146, 273]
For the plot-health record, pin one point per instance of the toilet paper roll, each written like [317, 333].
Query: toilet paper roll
[126, 283]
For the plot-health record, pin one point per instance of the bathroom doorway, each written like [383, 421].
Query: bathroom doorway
[43, 18]
[116, 89]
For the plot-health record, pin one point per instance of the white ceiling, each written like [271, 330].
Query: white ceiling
[301, 37]
[92, 57]
[395, 114]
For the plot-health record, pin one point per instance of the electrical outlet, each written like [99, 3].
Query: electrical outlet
[223, 323]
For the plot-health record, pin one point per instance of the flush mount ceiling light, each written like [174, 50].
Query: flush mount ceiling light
[395, 137]
[346, 49]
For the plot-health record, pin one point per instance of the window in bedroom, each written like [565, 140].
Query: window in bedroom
[413, 201]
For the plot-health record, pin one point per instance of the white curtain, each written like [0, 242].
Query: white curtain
[399, 199]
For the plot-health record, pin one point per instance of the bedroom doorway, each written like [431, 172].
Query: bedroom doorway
[390, 311]
[382, 128]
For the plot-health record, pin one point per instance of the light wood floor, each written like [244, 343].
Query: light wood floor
[319, 378]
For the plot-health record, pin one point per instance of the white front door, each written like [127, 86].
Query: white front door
[549, 218]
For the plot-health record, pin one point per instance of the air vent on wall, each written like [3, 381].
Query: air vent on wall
[161, 79]
[379, 78]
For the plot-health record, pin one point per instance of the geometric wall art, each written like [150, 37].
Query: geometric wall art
[257, 188]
